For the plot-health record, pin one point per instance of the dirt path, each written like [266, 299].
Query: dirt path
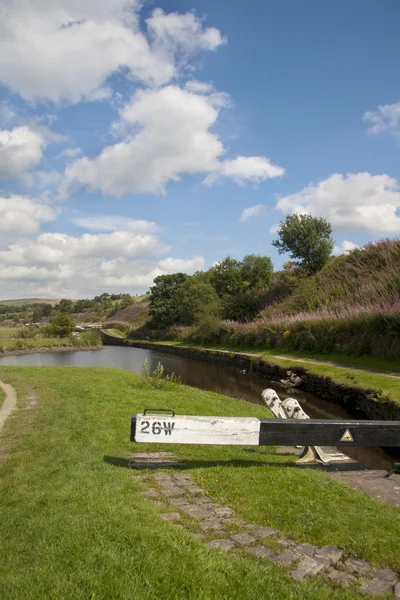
[10, 403]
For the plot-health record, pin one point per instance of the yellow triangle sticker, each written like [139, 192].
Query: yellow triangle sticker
[347, 437]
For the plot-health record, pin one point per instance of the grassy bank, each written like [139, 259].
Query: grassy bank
[354, 371]
[13, 339]
[72, 523]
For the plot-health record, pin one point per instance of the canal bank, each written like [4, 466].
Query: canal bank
[368, 403]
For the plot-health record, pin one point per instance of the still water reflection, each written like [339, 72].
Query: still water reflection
[203, 375]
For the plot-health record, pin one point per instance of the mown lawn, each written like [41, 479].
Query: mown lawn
[72, 525]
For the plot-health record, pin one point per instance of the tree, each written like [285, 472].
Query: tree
[226, 277]
[308, 240]
[164, 299]
[65, 306]
[196, 296]
[256, 271]
[61, 326]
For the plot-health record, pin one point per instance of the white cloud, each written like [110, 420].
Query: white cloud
[252, 211]
[246, 169]
[357, 201]
[20, 215]
[66, 49]
[70, 153]
[115, 223]
[345, 247]
[172, 137]
[56, 264]
[385, 118]
[199, 87]
[175, 265]
[21, 149]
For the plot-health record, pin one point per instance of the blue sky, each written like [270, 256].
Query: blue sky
[142, 139]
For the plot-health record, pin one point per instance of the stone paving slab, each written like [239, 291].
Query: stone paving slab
[211, 525]
[386, 574]
[243, 539]
[342, 578]
[223, 511]
[376, 587]
[397, 590]
[204, 500]
[358, 567]
[195, 489]
[305, 549]
[285, 558]
[179, 501]
[173, 516]
[260, 551]
[307, 568]
[221, 544]
[329, 555]
[172, 492]
[287, 542]
[196, 512]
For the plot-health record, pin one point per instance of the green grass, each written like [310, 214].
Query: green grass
[16, 344]
[117, 332]
[73, 526]
[388, 387]
[8, 332]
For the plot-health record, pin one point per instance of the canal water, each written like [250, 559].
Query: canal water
[206, 376]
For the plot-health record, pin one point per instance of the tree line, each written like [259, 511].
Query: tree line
[234, 289]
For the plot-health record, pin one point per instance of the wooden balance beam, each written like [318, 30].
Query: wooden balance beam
[233, 431]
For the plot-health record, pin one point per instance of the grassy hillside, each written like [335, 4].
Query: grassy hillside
[368, 277]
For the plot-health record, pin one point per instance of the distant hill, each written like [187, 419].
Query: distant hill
[27, 301]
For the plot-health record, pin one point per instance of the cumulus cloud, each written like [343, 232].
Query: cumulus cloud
[385, 118]
[345, 247]
[66, 49]
[172, 137]
[357, 201]
[20, 215]
[74, 266]
[21, 149]
[252, 211]
[176, 33]
[246, 168]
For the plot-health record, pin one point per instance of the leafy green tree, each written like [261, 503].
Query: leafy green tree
[65, 306]
[61, 326]
[126, 300]
[244, 306]
[256, 271]
[47, 310]
[226, 277]
[37, 313]
[164, 299]
[197, 296]
[308, 240]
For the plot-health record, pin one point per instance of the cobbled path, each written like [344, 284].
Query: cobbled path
[222, 530]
